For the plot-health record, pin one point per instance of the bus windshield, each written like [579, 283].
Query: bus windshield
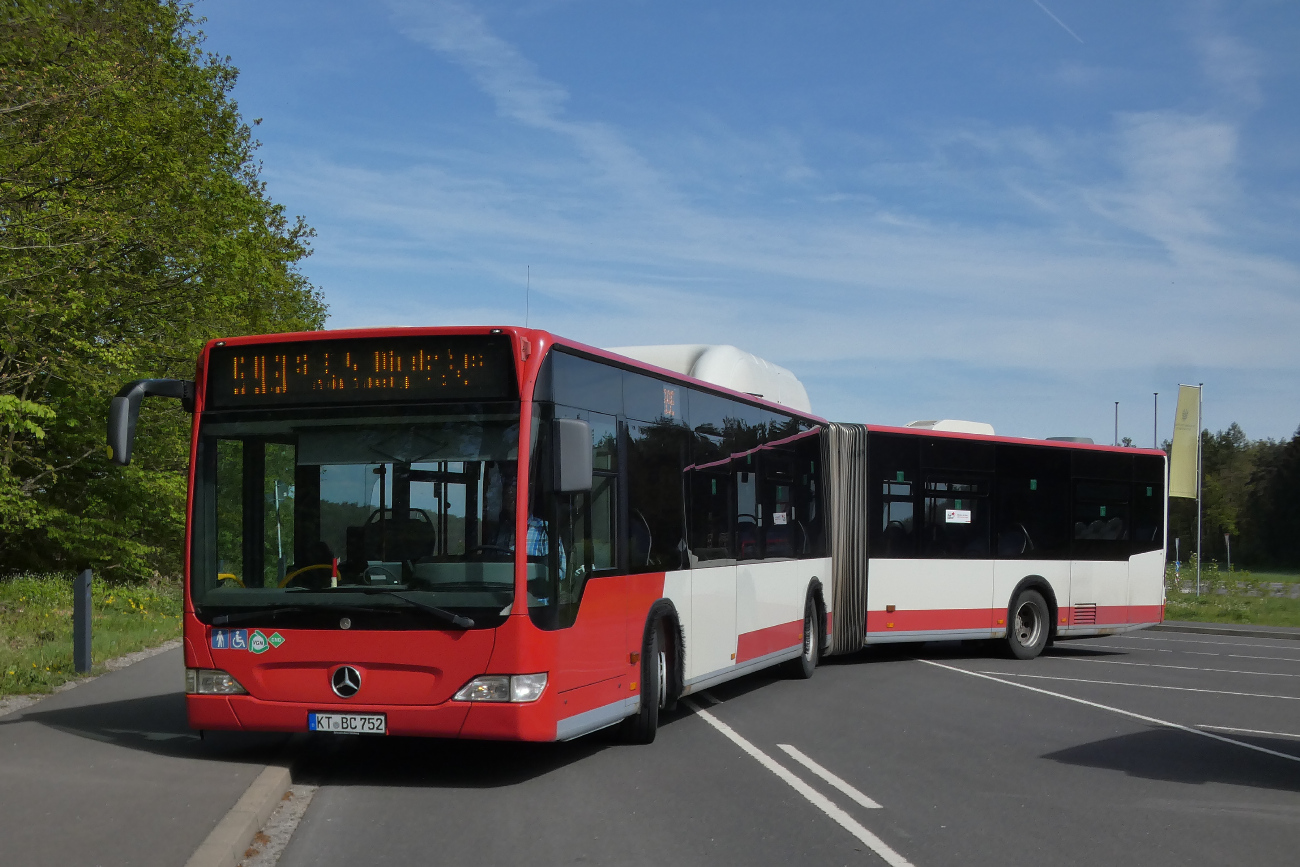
[378, 518]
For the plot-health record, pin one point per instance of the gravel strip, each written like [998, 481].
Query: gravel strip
[269, 843]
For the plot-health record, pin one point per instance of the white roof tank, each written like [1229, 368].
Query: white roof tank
[728, 367]
[954, 425]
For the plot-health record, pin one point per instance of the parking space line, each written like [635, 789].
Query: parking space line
[1249, 731]
[817, 799]
[1120, 711]
[826, 775]
[1179, 667]
[1144, 685]
[1216, 643]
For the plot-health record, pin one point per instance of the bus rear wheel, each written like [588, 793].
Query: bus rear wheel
[1028, 625]
[803, 667]
[640, 728]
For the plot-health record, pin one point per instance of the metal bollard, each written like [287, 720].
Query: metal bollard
[81, 622]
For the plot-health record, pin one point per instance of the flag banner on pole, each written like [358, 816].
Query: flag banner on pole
[1187, 430]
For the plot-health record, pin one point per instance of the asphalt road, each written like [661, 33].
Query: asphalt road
[1153, 749]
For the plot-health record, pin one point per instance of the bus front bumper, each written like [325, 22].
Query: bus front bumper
[534, 721]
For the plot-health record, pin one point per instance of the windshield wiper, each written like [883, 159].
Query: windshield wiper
[454, 619]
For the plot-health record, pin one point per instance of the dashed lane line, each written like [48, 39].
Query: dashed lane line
[1143, 685]
[826, 775]
[817, 799]
[1179, 667]
[1120, 711]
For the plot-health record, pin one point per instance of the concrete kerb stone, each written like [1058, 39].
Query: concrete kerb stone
[1229, 629]
[226, 845]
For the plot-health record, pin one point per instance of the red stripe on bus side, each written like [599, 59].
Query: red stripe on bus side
[916, 621]
[760, 642]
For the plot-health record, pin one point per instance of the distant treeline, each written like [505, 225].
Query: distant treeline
[133, 227]
[1250, 493]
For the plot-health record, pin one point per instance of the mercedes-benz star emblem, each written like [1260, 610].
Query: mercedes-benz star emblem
[346, 681]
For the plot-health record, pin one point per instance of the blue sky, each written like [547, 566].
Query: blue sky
[1011, 211]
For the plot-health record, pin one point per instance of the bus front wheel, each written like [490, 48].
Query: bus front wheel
[1028, 626]
[640, 728]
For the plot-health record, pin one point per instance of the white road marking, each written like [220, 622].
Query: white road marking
[814, 797]
[1249, 731]
[1128, 713]
[826, 775]
[1195, 652]
[1282, 646]
[1145, 685]
[1179, 667]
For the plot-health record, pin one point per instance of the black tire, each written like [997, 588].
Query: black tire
[1028, 625]
[640, 728]
[803, 667]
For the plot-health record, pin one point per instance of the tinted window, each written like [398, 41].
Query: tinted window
[655, 461]
[587, 384]
[1103, 465]
[893, 487]
[1148, 516]
[957, 454]
[956, 517]
[648, 399]
[809, 522]
[1033, 503]
[1101, 520]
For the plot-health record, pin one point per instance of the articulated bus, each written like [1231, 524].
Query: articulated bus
[498, 533]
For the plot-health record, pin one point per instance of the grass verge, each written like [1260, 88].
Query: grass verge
[1233, 609]
[1239, 596]
[36, 627]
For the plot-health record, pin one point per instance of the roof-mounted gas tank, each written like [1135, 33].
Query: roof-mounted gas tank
[728, 367]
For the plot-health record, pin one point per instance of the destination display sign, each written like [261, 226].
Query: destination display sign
[365, 370]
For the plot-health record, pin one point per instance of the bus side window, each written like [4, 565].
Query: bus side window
[893, 491]
[1101, 520]
[956, 517]
[1148, 504]
[776, 502]
[1032, 518]
[807, 506]
[656, 532]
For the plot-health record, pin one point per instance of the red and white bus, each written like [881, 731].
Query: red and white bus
[498, 533]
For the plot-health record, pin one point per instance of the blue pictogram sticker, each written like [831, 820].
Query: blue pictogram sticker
[239, 639]
[311, 722]
[220, 639]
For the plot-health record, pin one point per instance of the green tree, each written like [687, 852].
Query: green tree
[133, 228]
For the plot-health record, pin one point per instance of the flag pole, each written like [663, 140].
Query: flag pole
[1200, 471]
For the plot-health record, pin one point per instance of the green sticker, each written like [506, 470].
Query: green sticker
[1148, 490]
[1103, 511]
[257, 642]
[900, 475]
[958, 506]
[276, 639]
[715, 486]
[1033, 484]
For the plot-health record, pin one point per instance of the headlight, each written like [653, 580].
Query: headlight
[210, 681]
[501, 687]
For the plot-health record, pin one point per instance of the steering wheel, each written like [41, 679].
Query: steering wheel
[284, 582]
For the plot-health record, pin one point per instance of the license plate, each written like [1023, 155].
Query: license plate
[348, 723]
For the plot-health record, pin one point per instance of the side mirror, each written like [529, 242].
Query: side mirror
[124, 412]
[572, 455]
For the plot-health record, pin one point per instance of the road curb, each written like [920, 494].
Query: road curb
[1211, 629]
[226, 845]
